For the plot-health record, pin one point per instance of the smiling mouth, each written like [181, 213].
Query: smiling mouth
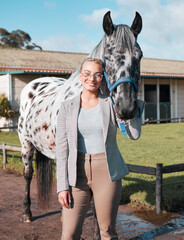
[92, 84]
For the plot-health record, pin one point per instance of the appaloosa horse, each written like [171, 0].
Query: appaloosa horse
[41, 99]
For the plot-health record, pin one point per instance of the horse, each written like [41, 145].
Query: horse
[41, 98]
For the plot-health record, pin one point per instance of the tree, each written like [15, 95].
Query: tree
[5, 109]
[16, 39]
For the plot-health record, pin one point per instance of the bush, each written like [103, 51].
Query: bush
[5, 109]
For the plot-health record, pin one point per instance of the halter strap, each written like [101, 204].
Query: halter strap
[119, 81]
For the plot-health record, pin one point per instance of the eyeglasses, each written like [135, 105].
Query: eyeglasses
[97, 76]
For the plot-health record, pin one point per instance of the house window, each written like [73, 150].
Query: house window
[150, 93]
[165, 106]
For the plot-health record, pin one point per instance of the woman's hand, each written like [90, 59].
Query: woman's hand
[64, 198]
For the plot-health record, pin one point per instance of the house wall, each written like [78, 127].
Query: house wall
[19, 81]
[176, 94]
[4, 88]
[4, 82]
[180, 99]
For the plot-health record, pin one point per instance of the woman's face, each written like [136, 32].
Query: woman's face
[91, 76]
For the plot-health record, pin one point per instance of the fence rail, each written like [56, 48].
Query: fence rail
[8, 127]
[157, 171]
[165, 120]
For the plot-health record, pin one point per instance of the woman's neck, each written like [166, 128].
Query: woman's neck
[89, 99]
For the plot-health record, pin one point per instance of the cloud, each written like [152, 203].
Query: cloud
[64, 43]
[163, 23]
[96, 17]
[50, 5]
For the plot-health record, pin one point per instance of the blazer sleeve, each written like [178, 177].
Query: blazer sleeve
[132, 128]
[61, 151]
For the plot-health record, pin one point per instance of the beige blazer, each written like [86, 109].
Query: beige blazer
[66, 141]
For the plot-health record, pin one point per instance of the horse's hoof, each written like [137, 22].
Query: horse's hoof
[27, 218]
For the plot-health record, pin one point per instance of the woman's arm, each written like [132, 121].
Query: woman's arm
[132, 128]
[62, 151]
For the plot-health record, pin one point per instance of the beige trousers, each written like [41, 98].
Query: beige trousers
[92, 178]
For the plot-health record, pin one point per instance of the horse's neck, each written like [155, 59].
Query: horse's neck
[74, 80]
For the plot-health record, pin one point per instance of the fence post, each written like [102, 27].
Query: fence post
[4, 156]
[159, 187]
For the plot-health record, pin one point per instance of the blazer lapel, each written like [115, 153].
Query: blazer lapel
[105, 113]
[74, 111]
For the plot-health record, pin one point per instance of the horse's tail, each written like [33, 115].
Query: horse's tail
[44, 179]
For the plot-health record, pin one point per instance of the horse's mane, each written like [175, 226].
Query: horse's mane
[123, 37]
[124, 33]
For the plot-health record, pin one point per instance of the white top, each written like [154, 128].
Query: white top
[90, 131]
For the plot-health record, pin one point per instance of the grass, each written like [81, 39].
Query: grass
[159, 143]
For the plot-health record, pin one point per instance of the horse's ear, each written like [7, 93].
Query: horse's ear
[137, 24]
[108, 25]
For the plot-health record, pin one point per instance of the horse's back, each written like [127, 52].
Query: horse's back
[39, 106]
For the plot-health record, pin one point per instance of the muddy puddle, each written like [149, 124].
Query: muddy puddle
[131, 222]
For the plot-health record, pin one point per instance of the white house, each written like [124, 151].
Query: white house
[162, 85]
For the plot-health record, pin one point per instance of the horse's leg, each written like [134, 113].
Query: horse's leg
[27, 156]
[96, 235]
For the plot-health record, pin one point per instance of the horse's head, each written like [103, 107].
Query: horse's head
[122, 56]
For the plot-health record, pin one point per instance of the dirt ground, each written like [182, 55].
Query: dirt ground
[46, 224]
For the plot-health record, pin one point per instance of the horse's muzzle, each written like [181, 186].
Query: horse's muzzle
[126, 110]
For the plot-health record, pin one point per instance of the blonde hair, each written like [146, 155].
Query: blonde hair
[95, 60]
[103, 88]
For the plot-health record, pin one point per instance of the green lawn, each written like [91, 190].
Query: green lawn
[159, 143]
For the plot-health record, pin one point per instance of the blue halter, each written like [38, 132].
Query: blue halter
[118, 82]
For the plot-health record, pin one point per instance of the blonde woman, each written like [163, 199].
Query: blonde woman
[88, 159]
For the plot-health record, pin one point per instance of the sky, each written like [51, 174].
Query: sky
[76, 25]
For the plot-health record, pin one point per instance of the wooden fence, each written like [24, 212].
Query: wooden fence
[165, 120]
[158, 172]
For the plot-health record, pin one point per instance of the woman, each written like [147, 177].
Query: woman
[88, 159]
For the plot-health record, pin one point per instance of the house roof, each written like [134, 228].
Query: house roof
[162, 68]
[34, 61]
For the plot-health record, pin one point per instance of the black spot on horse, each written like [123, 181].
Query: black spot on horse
[45, 126]
[52, 89]
[34, 105]
[37, 112]
[41, 93]
[26, 104]
[33, 99]
[40, 102]
[35, 86]
[30, 95]
[67, 89]
[42, 88]
[122, 74]
[45, 83]
[51, 94]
